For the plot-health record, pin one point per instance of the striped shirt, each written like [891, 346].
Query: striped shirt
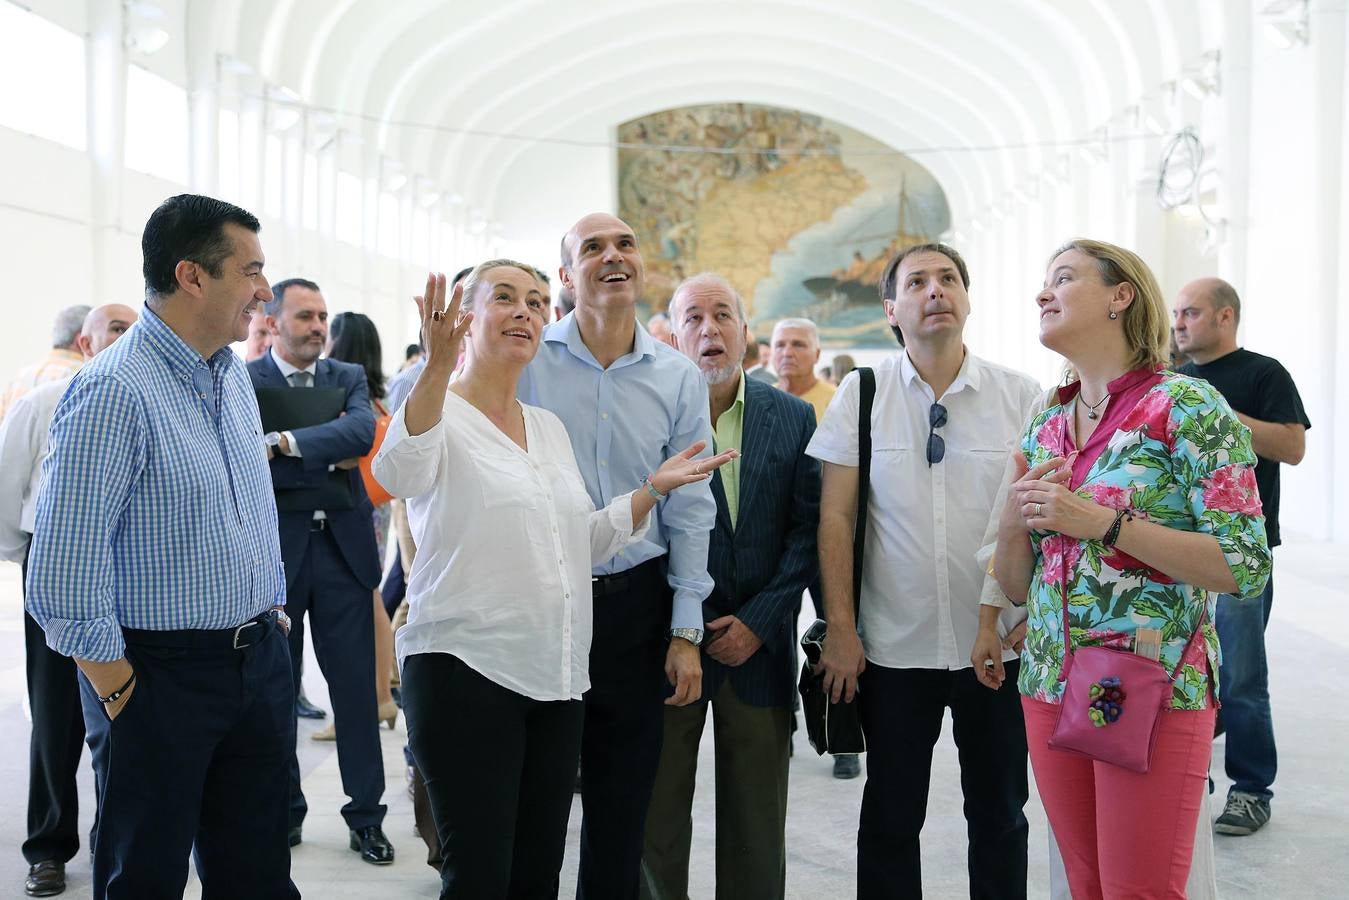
[156, 509]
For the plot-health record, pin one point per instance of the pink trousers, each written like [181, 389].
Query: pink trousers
[1123, 834]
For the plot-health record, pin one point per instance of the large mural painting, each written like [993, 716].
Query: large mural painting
[798, 212]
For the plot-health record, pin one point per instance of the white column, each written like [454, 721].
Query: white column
[203, 115]
[252, 148]
[1233, 150]
[106, 125]
[1329, 41]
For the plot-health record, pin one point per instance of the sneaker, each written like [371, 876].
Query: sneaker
[847, 765]
[1244, 814]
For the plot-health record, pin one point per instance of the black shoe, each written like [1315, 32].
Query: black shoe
[45, 879]
[373, 846]
[847, 765]
[306, 710]
[293, 836]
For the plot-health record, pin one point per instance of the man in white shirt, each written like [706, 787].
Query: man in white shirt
[943, 421]
[54, 746]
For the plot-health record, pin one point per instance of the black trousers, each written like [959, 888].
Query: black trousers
[902, 711]
[624, 716]
[322, 590]
[54, 747]
[195, 764]
[499, 769]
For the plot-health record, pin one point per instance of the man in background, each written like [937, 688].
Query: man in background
[259, 338]
[53, 690]
[62, 360]
[1264, 397]
[796, 350]
[755, 353]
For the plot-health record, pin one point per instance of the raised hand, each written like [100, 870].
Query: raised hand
[682, 468]
[443, 326]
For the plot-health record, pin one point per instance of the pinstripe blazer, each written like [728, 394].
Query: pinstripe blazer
[761, 567]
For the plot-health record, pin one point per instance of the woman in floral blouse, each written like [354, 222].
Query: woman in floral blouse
[1159, 462]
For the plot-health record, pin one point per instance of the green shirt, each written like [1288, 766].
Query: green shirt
[727, 433]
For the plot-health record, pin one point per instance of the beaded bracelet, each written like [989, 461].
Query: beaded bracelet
[651, 488]
[1112, 533]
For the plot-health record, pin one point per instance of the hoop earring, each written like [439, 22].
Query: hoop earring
[1114, 315]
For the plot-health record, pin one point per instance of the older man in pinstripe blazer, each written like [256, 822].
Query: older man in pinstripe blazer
[761, 558]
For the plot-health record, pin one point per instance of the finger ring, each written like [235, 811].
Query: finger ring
[437, 316]
[1039, 510]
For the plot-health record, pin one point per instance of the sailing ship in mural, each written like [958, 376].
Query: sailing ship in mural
[799, 213]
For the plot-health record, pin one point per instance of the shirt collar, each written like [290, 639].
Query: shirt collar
[739, 392]
[1113, 388]
[288, 370]
[180, 356]
[568, 332]
[967, 377]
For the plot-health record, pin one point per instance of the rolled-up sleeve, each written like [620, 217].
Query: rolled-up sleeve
[1215, 468]
[407, 465]
[611, 528]
[689, 514]
[96, 452]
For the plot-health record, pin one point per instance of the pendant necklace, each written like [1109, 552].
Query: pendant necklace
[1091, 407]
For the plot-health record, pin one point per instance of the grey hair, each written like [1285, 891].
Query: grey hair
[803, 324]
[708, 280]
[68, 325]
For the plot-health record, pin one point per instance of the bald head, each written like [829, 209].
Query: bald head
[104, 325]
[1205, 318]
[601, 264]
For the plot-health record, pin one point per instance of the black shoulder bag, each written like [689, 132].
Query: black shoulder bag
[837, 727]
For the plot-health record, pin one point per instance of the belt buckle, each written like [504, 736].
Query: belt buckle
[238, 631]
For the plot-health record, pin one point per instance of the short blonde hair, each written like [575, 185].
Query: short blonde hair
[1147, 321]
[474, 278]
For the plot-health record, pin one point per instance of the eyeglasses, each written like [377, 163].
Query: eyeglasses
[936, 447]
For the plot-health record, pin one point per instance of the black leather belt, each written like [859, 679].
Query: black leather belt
[249, 634]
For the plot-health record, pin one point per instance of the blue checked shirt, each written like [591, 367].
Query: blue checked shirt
[624, 421]
[156, 509]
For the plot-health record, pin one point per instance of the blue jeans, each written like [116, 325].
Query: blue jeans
[1243, 687]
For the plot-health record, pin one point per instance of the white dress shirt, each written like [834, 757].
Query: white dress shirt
[505, 542]
[921, 580]
[23, 446]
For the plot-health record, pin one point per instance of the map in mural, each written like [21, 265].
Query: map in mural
[798, 212]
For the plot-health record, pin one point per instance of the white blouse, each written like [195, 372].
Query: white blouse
[505, 542]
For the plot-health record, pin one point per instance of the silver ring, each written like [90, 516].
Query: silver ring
[1039, 510]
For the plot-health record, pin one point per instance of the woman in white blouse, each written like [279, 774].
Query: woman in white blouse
[496, 648]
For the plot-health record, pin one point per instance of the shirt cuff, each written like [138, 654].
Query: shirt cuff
[97, 640]
[294, 447]
[688, 612]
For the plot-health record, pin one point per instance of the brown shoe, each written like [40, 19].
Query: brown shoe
[45, 879]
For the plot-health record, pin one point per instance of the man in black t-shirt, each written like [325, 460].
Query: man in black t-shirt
[1265, 399]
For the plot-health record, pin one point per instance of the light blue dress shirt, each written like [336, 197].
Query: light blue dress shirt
[156, 509]
[401, 385]
[624, 421]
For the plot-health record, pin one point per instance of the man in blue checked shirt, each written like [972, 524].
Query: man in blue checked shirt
[155, 564]
[629, 402]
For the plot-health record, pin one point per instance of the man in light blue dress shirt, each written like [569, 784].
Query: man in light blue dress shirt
[629, 402]
[155, 563]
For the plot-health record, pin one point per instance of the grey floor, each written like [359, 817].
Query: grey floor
[1304, 852]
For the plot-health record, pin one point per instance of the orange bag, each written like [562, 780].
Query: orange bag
[373, 488]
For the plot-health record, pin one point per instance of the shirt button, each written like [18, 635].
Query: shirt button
[566, 596]
[604, 415]
[604, 463]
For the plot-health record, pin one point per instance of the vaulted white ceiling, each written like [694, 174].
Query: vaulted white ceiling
[500, 81]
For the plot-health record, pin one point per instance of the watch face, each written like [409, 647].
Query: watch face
[272, 439]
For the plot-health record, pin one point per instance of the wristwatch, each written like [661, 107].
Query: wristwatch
[693, 635]
[272, 439]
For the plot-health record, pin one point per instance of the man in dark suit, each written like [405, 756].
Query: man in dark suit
[761, 558]
[331, 562]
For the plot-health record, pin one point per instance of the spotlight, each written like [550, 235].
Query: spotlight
[144, 32]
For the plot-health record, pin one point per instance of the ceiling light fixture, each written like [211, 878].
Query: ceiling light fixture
[143, 30]
[1287, 23]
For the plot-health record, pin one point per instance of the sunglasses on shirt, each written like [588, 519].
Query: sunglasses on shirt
[936, 447]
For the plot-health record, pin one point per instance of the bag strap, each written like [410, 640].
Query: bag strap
[867, 392]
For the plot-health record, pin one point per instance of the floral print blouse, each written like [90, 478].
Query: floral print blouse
[1181, 458]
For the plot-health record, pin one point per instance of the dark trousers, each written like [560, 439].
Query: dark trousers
[195, 763]
[54, 747]
[499, 770]
[751, 776]
[902, 712]
[1251, 759]
[322, 589]
[624, 712]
